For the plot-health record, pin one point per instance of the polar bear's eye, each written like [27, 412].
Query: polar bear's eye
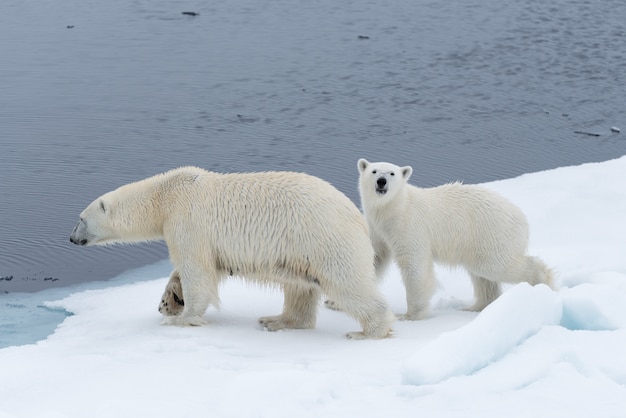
[393, 174]
[102, 206]
[373, 171]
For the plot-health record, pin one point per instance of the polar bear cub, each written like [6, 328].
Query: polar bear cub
[454, 224]
[289, 229]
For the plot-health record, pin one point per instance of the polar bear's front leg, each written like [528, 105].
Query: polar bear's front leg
[299, 309]
[172, 301]
[200, 289]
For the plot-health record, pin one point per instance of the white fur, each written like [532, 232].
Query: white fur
[291, 229]
[453, 224]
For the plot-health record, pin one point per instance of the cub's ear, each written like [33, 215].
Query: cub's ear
[363, 164]
[406, 172]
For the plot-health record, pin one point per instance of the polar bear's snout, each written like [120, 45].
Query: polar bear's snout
[381, 185]
[79, 236]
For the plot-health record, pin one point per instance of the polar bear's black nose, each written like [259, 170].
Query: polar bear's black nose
[381, 182]
[78, 241]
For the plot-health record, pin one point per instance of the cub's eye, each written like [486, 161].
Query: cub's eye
[393, 174]
[102, 206]
[374, 172]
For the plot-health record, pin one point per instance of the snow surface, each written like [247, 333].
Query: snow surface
[532, 353]
[511, 319]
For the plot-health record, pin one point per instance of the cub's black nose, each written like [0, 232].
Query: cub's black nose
[381, 182]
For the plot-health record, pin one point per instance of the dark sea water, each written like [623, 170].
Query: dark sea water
[96, 94]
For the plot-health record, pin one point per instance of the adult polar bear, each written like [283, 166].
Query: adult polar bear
[454, 224]
[287, 228]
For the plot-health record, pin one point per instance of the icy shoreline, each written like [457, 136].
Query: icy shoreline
[532, 353]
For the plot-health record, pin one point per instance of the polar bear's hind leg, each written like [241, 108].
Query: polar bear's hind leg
[299, 309]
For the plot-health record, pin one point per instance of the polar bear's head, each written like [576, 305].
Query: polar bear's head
[380, 182]
[127, 214]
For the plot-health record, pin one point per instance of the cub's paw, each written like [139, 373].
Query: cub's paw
[477, 307]
[356, 336]
[172, 302]
[412, 316]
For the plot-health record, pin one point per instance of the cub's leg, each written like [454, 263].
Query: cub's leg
[418, 276]
[382, 258]
[299, 309]
[485, 292]
[172, 301]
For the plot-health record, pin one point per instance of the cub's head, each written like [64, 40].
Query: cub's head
[380, 182]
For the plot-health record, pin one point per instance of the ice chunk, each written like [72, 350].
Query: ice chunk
[509, 320]
[594, 307]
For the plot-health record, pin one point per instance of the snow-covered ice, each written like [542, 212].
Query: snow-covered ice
[515, 316]
[533, 352]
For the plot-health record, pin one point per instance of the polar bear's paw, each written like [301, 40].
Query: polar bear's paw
[278, 322]
[184, 321]
[362, 336]
[172, 302]
[274, 323]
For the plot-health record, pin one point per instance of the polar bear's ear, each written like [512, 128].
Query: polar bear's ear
[406, 172]
[363, 164]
